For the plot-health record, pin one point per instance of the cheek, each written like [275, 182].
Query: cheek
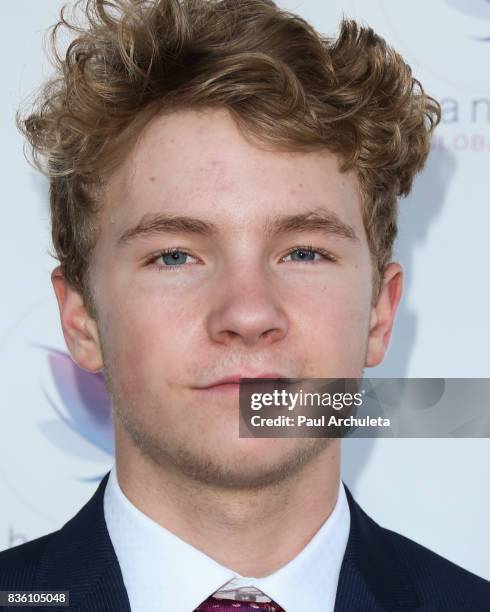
[334, 320]
[142, 338]
[338, 319]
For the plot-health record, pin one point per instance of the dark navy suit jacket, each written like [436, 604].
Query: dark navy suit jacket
[381, 571]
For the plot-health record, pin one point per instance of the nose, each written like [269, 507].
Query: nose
[246, 309]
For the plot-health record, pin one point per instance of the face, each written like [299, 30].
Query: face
[217, 258]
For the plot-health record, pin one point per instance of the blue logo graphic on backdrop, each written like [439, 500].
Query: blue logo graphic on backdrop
[473, 8]
[83, 424]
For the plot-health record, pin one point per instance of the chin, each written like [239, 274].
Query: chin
[250, 463]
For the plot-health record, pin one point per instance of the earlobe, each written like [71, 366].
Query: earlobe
[79, 328]
[383, 314]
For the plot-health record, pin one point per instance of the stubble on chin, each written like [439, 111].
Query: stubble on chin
[200, 463]
[209, 468]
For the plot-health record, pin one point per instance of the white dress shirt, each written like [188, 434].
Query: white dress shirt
[162, 572]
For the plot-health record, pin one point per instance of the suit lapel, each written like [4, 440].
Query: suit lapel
[370, 577]
[81, 559]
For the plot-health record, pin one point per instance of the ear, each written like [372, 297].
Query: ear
[79, 328]
[383, 314]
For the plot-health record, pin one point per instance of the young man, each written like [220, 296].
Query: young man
[224, 188]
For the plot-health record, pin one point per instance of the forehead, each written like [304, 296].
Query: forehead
[192, 162]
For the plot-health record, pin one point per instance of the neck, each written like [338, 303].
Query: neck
[240, 529]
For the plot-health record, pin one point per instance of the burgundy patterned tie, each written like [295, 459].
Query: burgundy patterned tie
[213, 604]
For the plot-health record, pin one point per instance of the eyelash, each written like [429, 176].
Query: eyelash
[325, 254]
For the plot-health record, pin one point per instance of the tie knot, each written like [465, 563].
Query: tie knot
[213, 604]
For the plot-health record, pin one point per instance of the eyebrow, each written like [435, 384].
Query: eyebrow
[160, 223]
[321, 219]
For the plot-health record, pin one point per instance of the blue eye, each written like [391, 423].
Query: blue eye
[174, 258]
[171, 258]
[302, 255]
[308, 254]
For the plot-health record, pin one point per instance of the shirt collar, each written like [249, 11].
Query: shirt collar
[162, 571]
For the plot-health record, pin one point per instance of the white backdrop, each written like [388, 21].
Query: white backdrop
[55, 441]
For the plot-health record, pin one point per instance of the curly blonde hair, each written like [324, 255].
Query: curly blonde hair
[285, 85]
